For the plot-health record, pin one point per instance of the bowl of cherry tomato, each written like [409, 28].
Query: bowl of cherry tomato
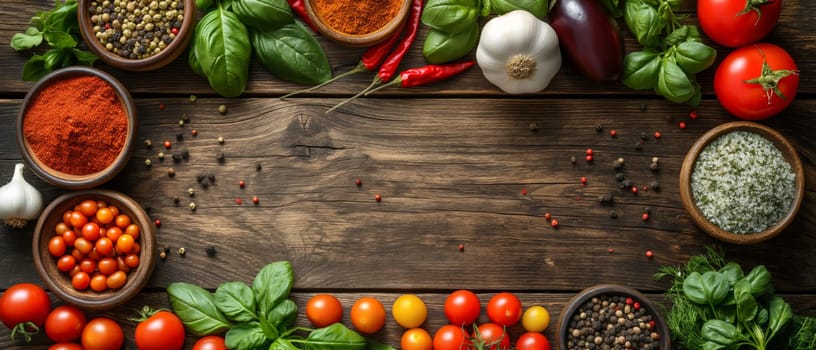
[94, 249]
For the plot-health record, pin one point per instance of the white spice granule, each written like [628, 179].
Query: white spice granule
[742, 183]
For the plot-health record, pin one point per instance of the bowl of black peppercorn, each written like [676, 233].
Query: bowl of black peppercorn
[609, 316]
[136, 35]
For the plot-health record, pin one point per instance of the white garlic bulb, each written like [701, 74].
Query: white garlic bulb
[19, 201]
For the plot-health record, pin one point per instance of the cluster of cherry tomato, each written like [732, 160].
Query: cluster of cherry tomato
[97, 245]
[462, 309]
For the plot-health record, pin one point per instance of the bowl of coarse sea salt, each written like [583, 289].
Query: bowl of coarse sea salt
[742, 182]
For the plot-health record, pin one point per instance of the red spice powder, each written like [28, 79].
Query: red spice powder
[76, 125]
[357, 16]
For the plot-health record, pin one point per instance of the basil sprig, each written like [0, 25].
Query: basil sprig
[672, 53]
[59, 29]
[455, 24]
[232, 30]
[260, 316]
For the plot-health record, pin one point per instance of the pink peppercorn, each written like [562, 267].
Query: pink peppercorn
[693, 115]
[554, 223]
[645, 217]
[649, 254]
[239, 201]
[377, 197]
[682, 125]
[547, 216]
[461, 247]
[658, 135]
[157, 222]
[613, 133]
[523, 191]
[241, 183]
[255, 200]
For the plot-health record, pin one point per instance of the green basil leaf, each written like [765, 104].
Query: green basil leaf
[440, 47]
[272, 285]
[236, 301]
[683, 34]
[245, 336]
[282, 344]
[780, 315]
[223, 51]
[34, 68]
[27, 40]
[640, 69]
[695, 99]
[53, 58]
[196, 308]
[263, 14]
[760, 280]
[644, 22]
[716, 286]
[60, 40]
[63, 18]
[85, 58]
[450, 16]
[335, 337]
[762, 316]
[537, 7]
[720, 332]
[674, 85]
[372, 344]
[292, 53]
[732, 272]
[204, 5]
[192, 59]
[693, 288]
[694, 57]
[710, 345]
[283, 315]
[747, 307]
[269, 330]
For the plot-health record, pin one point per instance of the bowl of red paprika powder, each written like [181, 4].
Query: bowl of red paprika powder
[76, 128]
[358, 23]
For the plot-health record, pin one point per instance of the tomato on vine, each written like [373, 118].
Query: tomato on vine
[504, 309]
[65, 323]
[490, 336]
[735, 23]
[757, 81]
[24, 308]
[462, 307]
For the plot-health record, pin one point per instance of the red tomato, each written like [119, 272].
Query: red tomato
[65, 323]
[65, 346]
[323, 310]
[726, 22]
[451, 337]
[102, 334]
[491, 336]
[22, 303]
[367, 315]
[504, 309]
[210, 342]
[57, 246]
[161, 331]
[462, 307]
[533, 341]
[754, 101]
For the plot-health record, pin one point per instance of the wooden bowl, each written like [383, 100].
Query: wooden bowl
[59, 282]
[71, 181]
[611, 290]
[362, 40]
[167, 55]
[686, 196]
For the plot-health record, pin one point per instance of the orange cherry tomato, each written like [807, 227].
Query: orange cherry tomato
[116, 280]
[114, 233]
[78, 220]
[104, 246]
[90, 231]
[105, 216]
[87, 265]
[88, 207]
[132, 261]
[66, 217]
[57, 246]
[107, 266]
[133, 230]
[368, 315]
[81, 281]
[323, 310]
[124, 244]
[61, 228]
[69, 237]
[99, 283]
[122, 221]
[416, 339]
[66, 263]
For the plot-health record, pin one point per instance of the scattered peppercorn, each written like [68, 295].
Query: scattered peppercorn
[606, 198]
[257, 165]
[194, 132]
[682, 125]
[377, 197]
[589, 151]
[554, 223]
[179, 136]
[598, 128]
[461, 247]
[693, 115]
[239, 201]
[613, 214]
[523, 191]
[181, 122]
[645, 217]
[171, 172]
[191, 192]
[162, 255]
[220, 139]
[649, 254]
[589, 158]
[220, 156]
[658, 135]
[148, 162]
[654, 167]
[547, 216]
[148, 143]
[644, 136]
[617, 164]
[167, 144]
[643, 107]
[210, 251]
[636, 305]
[620, 176]
[634, 190]
[176, 156]
[222, 109]
[625, 184]
[358, 182]
[533, 126]
[185, 154]
[645, 188]
[157, 223]
[193, 98]
[613, 133]
[629, 301]
[583, 180]
[182, 251]
[255, 200]
[176, 200]
[610, 250]
[161, 155]
[572, 160]
[192, 206]
[654, 185]
[647, 210]
[241, 184]
[161, 106]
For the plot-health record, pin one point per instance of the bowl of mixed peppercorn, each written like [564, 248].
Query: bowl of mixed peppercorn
[137, 35]
[608, 316]
[742, 182]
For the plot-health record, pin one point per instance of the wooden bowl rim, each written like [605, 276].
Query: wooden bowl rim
[784, 146]
[70, 181]
[360, 40]
[89, 300]
[612, 290]
[163, 58]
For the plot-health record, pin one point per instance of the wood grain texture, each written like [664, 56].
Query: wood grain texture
[795, 32]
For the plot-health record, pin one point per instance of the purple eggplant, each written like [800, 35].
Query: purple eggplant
[590, 37]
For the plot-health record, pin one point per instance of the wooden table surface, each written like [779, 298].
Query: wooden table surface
[456, 163]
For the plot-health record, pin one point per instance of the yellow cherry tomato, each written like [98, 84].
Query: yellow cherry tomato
[416, 339]
[409, 311]
[535, 319]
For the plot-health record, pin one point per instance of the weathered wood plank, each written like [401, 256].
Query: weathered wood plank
[795, 32]
[450, 172]
[391, 333]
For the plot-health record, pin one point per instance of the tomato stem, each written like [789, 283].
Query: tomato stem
[769, 79]
[753, 5]
[23, 328]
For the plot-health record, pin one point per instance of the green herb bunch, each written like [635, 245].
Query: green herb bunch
[260, 316]
[59, 29]
[716, 305]
[231, 30]
[455, 24]
[672, 53]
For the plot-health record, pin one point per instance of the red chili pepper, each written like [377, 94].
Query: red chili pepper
[389, 67]
[370, 61]
[299, 7]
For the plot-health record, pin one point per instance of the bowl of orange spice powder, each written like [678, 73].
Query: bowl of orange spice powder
[357, 23]
[76, 128]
